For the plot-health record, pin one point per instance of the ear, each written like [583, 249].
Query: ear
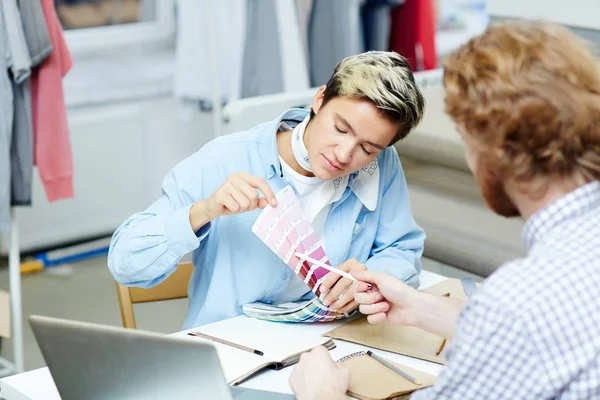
[318, 99]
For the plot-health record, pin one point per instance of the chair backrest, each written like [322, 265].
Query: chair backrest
[174, 287]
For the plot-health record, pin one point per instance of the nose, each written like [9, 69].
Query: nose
[343, 151]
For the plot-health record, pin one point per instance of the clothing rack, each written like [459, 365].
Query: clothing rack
[16, 310]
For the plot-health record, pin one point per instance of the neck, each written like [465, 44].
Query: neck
[284, 148]
[529, 202]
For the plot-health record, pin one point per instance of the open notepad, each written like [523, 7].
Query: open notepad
[281, 344]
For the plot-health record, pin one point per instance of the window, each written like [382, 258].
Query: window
[92, 25]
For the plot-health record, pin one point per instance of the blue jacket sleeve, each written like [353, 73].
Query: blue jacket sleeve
[399, 241]
[146, 248]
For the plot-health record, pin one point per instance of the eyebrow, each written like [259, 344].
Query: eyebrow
[345, 122]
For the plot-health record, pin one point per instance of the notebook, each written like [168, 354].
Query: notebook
[404, 340]
[371, 380]
[282, 345]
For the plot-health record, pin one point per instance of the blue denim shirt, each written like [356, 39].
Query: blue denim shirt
[232, 266]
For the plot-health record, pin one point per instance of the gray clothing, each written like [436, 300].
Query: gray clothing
[334, 33]
[21, 141]
[21, 150]
[35, 30]
[20, 64]
[262, 70]
[6, 119]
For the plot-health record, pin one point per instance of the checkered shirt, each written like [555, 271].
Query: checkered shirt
[533, 329]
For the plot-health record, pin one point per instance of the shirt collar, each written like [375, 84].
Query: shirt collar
[572, 205]
[364, 182]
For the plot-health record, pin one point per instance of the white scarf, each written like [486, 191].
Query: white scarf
[298, 147]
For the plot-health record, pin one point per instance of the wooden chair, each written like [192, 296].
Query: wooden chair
[174, 287]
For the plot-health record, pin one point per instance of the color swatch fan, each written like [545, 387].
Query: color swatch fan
[286, 231]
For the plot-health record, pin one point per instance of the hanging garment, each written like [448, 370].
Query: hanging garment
[36, 31]
[262, 70]
[6, 117]
[413, 33]
[292, 57]
[304, 10]
[52, 143]
[334, 33]
[20, 64]
[377, 23]
[21, 147]
[193, 74]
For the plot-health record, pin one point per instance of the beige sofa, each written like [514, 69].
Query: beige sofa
[445, 199]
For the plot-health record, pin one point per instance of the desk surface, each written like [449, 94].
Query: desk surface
[38, 384]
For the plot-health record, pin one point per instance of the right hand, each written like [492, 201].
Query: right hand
[238, 194]
[388, 300]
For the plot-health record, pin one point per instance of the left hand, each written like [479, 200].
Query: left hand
[341, 295]
[317, 376]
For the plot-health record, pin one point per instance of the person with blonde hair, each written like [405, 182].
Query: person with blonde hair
[525, 97]
[338, 158]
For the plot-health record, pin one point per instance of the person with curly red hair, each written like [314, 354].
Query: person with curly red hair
[525, 97]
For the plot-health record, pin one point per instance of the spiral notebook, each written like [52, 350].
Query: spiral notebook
[371, 380]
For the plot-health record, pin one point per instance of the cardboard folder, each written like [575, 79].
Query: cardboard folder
[404, 340]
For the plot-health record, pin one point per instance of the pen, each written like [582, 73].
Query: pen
[226, 342]
[327, 267]
[394, 368]
[443, 343]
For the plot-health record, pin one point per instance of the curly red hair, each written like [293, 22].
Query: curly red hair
[528, 93]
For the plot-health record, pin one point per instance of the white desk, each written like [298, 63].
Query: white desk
[38, 384]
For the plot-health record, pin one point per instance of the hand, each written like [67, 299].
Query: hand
[340, 291]
[388, 300]
[239, 194]
[317, 377]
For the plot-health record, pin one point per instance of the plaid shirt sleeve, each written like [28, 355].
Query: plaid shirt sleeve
[493, 357]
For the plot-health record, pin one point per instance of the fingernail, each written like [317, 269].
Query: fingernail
[273, 202]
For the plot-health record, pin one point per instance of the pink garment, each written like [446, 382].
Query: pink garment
[52, 143]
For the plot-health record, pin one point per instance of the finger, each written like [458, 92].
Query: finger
[240, 198]
[329, 281]
[353, 305]
[363, 286]
[370, 276]
[346, 297]
[261, 185]
[336, 291]
[369, 309]
[368, 297]
[262, 202]
[231, 206]
[380, 318]
[333, 278]
[250, 193]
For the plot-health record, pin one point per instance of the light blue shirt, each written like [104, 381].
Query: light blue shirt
[232, 266]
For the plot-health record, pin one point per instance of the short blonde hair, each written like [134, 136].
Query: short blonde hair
[528, 92]
[385, 79]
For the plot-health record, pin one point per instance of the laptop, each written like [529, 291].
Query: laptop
[94, 362]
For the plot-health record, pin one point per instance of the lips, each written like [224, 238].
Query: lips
[332, 165]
